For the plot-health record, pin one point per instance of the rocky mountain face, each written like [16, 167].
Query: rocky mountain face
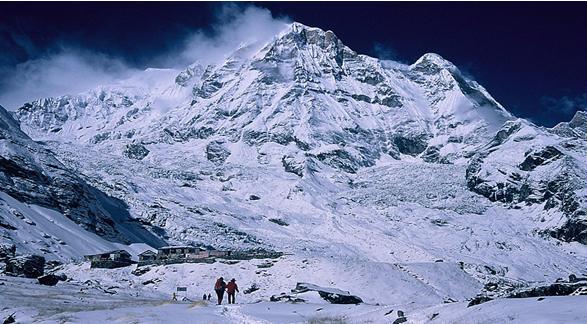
[30, 173]
[526, 165]
[307, 136]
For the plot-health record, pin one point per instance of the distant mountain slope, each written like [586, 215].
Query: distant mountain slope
[31, 174]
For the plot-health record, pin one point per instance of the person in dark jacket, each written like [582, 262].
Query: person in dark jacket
[231, 289]
[219, 287]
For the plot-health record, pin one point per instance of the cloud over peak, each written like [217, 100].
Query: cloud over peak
[70, 69]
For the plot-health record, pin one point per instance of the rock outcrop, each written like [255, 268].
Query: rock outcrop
[332, 295]
[28, 266]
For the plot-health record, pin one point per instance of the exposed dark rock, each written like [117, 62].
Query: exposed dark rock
[10, 319]
[136, 151]
[33, 175]
[479, 300]
[48, 280]
[7, 250]
[544, 156]
[292, 166]
[150, 282]
[216, 152]
[401, 318]
[431, 154]
[342, 160]
[332, 295]
[278, 221]
[410, 145]
[286, 298]
[254, 197]
[139, 271]
[98, 138]
[508, 129]
[574, 278]
[555, 289]
[28, 266]
[6, 225]
[52, 264]
[252, 137]
[251, 289]
[265, 265]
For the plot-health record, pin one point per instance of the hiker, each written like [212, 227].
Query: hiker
[219, 287]
[204, 297]
[174, 297]
[231, 288]
[209, 297]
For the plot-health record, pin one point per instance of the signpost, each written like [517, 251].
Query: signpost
[185, 290]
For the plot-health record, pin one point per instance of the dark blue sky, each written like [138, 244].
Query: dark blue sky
[530, 56]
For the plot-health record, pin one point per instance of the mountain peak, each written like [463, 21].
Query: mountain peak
[432, 62]
[579, 120]
[306, 35]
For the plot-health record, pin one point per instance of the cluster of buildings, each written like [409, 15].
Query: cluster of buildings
[180, 254]
[171, 255]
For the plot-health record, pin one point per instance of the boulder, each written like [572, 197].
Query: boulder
[251, 289]
[48, 280]
[28, 266]
[332, 295]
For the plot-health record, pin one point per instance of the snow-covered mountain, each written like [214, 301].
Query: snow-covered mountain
[46, 207]
[304, 146]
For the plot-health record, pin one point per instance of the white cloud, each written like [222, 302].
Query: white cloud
[234, 25]
[70, 70]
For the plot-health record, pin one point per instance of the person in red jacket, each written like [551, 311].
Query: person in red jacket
[231, 288]
[219, 287]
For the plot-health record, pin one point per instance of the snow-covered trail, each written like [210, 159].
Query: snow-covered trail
[78, 303]
[68, 302]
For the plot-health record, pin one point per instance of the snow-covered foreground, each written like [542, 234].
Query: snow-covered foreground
[83, 303]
